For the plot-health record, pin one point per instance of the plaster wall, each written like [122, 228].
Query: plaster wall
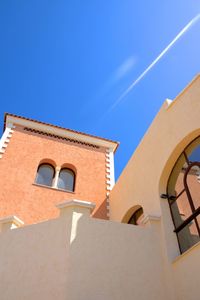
[77, 257]
[145, 176]
[18, 167]
[34, 261]
[185, 273]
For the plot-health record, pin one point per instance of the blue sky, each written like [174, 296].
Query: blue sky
[68, 63]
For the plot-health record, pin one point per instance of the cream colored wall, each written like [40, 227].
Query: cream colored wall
[145, 178]
[76, 257]
[186, 274]
[34, 261]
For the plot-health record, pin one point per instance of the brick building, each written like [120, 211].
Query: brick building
[79, 166]
[80, 236]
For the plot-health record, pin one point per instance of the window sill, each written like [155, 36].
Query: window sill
[186, 252]
[52, 188]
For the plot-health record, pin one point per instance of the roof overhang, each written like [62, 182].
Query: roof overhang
[59, 131]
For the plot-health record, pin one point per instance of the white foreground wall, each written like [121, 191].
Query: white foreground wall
[76, 257]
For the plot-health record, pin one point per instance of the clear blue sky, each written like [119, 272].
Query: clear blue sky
[68, 62]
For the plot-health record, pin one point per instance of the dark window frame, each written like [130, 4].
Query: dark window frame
[174, 198]
[51, 167]
[74, 179]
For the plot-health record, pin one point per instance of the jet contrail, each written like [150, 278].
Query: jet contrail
[179, 35]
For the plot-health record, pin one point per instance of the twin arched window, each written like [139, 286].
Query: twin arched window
[64, 180]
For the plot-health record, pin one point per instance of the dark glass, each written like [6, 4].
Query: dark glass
[188, 236]
[66, 180]
[45, 175]
[136, 217]
[195, 154]
[184, 195]
[181, 209]
[194, 185]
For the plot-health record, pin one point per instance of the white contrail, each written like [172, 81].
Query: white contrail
[179, 35]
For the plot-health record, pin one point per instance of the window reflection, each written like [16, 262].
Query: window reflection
[66, 180]
[45, 175]
[184, 196]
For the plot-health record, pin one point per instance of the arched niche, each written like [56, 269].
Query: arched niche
[47, 161]
[133, 215]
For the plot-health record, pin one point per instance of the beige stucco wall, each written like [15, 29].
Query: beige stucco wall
[185, 272]
[34, 262]
[145, 177]
[76, 257]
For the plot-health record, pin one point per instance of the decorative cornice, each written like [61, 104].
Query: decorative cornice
[149, 218]
[59, 131]
[9, 223]
[76, 203]
[60, 137]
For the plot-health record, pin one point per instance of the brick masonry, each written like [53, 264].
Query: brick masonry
[18, 166]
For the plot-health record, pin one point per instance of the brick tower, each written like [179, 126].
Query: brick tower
[42, 165]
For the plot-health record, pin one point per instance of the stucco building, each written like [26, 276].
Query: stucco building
[69, 232]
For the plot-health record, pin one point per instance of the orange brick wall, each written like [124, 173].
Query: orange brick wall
[31, 203]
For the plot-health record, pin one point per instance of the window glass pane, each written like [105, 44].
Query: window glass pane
[198, 220]
[188, 236]
[193, 182]
[175, 184]
[193, 151]
[185, 181]
[45, 175]
[179, 183]
[181, 209]
[66, 180]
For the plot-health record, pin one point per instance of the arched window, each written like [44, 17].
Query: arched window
[136, 217]
[45, 174]
[184, 196]
[66, 180]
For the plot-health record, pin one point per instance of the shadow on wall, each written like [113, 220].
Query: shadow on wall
[102, 211]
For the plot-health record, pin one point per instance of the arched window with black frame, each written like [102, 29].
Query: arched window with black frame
[45, 174]
[66, 180]
[183, 192]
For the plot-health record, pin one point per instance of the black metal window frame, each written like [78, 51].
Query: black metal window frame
[174, 198]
